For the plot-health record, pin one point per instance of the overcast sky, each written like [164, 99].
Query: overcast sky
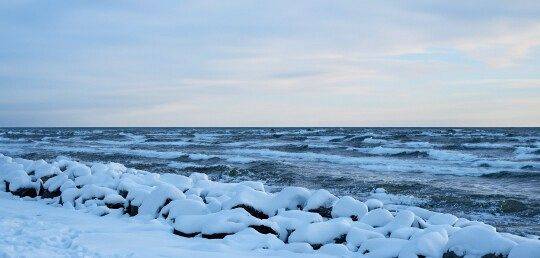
[269, 63]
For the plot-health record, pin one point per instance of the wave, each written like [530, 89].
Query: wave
[487, 145]
[512, 174]
[527, 153]
[444, 155]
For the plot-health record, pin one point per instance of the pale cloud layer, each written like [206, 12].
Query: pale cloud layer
[271, 63]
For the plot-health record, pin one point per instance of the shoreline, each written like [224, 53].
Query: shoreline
[294, 219]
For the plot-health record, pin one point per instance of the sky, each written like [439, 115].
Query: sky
[269, 63]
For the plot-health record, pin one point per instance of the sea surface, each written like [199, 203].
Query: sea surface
[488, 174]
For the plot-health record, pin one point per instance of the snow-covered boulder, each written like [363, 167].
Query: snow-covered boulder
[336, 250]
[430, 244]
[162, 195]
[251, 239]
[219, 224]
[373, 204]
[382, 247]
[318, 234]
[15, 179]
[526, 249]
[349, 207]
[321, 202]
[403, 219]
[183, 183]
[477, 241]
[442, 219]
[180, 207]
[258, 204]
[377, 217]
[357, 236]
[290, 220]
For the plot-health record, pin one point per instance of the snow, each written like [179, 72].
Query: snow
[525, 249]
[377, 217]
[69, 208]
[349, 207]
[36, 229]
[478, 240]
[321, 232]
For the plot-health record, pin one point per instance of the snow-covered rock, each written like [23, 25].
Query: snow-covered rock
[527, 249]
[478, 241]
[320, 233]
[321, 202]
[349, 207]
[377, 217]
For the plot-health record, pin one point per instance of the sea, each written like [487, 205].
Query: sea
[486, 174]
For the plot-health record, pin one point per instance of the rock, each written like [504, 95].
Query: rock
[22, 192]
[255, 213]
[325, 212]
[182, 234]
[264, 229]
[132, 210]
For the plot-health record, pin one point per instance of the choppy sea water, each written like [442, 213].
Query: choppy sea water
[491, 175]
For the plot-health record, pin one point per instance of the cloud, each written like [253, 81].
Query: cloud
[268, 63]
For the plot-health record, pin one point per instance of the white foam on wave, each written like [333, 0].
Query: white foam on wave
[433, 153]
[369, 163]
[522, 153]
[488, 145]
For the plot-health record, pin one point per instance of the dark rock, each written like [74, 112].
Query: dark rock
[182, 234]
[341, 239]
[123, 193]
[510, 206]
[22, 192]
[167, 201]
[45, 193]
[264, 229]
[45, 178]
[132, 210]
[451, 254]
[316, 246]
[255, 213]
[325, 212]
[494, 256]
[215, 236]
[114, 205]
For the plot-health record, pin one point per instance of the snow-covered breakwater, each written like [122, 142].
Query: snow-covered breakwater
[294, 219]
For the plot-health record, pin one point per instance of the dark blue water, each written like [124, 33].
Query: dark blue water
[470, 172]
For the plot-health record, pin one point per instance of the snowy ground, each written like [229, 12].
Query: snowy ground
[31, 228]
